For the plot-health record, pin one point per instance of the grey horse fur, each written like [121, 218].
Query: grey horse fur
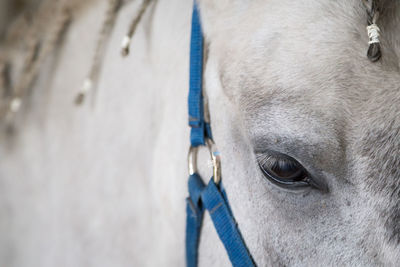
[105, 185]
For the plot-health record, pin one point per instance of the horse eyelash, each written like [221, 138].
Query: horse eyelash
[274, 160]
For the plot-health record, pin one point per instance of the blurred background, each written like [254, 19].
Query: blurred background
[9, 9]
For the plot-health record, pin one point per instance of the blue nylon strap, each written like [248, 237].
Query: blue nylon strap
[194, 219]
[195, 99]
[211, 197]
[216, 203]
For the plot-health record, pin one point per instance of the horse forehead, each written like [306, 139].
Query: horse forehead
[345, 106]
[271, 64]
[319, 79]
[320, 47]
[321, 68]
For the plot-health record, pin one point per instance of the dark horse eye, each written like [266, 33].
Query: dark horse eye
[283, 170]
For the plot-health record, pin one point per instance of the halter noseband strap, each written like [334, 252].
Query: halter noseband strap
[211, 197]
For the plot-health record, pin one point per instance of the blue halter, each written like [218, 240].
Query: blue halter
[211, 197]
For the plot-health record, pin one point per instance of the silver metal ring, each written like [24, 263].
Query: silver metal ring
[215, 158]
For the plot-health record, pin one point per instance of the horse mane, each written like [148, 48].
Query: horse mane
[33, 34]
[36, 32]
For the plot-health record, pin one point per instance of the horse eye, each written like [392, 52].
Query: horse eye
[284, 170]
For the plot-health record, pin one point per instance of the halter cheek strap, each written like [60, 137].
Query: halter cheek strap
[199, 128]
[211, 197]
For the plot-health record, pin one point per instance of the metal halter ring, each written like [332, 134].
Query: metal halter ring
[215, 157]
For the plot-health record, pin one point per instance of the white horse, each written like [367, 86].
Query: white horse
[290, 90]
